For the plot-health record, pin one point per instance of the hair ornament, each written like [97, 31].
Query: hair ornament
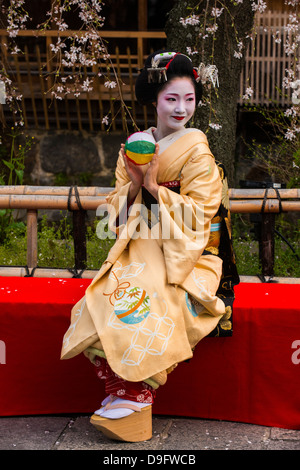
[207, 72]
[157, 73]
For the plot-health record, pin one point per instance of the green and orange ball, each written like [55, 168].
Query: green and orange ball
[140, 148]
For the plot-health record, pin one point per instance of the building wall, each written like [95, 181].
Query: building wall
[66, 158]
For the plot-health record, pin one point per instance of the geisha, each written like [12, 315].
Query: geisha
[156, 297]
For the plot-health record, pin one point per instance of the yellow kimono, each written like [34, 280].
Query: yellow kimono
[154, 297]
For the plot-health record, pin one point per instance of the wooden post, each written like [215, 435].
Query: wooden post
[131, 83]
[88, 103]
[32, 94]
[21, 90]
[51, 78]
[124, 124]
[31, 238]
[142, 15]
[266, 245]
[38, 55]
[79, 237]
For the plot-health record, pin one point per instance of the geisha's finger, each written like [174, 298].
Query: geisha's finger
[125, 160]
[154, 161]
[122, 150]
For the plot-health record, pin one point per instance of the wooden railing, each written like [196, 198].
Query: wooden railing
[34, 198]
[263, 72]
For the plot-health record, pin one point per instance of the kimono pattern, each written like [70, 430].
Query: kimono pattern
[159, 292]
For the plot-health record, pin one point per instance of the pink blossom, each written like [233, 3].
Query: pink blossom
[110, 84]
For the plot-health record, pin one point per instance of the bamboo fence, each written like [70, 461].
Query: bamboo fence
[35, 198]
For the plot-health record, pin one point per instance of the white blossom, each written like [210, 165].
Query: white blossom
[86, 86]
[237, 55]
[290, 134]
[217, 12]
[15, 50]
[110, 84]
[259, 6]
[190, 51]
[215, 126]
[290, 112]
[212, 29]
[248, 93]
[191, 20]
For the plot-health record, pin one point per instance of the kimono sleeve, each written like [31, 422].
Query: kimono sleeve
[186, 217]
[117, 201]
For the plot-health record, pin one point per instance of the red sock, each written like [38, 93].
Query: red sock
[115, 385]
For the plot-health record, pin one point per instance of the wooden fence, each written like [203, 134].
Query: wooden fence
[33, 73]
[266, 61]
[33, 198]
[264, 70]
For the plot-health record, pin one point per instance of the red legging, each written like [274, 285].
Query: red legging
[115, 385]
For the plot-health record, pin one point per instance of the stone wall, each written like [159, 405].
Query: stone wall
[63, 158]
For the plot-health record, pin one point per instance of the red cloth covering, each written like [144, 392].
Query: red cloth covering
[252, 377]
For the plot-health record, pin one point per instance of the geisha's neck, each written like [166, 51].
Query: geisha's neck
[169, 137]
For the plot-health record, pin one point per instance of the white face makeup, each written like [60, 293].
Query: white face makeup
[175, 106]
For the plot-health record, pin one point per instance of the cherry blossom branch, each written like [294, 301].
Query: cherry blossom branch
[71, 54]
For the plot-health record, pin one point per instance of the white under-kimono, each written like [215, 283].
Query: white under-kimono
[154, 297]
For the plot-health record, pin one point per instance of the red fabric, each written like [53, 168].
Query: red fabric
[250, 377]
[171, 184]
[115, 385]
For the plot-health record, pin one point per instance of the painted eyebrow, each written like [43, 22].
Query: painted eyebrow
[177, 94]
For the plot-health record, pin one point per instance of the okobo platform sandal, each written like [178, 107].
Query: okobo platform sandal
[133, 427]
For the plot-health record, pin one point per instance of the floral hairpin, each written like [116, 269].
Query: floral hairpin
[207, 72]
[158, 74]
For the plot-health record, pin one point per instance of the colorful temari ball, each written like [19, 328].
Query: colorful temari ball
[140, 147]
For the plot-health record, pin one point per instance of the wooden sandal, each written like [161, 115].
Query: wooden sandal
[133, 428]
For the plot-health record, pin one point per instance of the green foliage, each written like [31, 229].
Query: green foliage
[13, 249]
[55, 245]
[12, 160]
[280, 154]
[246, 247]
[56, 248]
[80, 179]
[97, 249]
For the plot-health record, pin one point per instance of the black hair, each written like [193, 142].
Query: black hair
[180, 66]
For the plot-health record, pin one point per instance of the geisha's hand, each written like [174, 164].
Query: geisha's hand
[150, 178]
[135, 174]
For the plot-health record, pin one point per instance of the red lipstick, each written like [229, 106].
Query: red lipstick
[179, 118]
